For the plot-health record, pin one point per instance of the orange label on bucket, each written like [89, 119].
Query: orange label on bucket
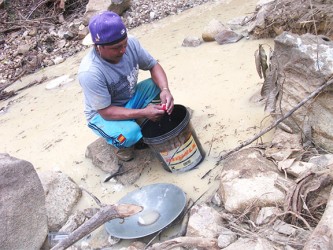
[184, 157]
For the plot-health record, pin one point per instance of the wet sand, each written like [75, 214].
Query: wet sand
[48, 128]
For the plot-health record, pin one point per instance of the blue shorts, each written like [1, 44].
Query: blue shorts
[125, 133]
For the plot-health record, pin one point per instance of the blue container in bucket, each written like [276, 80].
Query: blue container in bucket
[174, 141]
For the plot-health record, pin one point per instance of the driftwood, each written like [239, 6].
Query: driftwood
[106, 213]
[273, 125]
[322, 236]
[4, 95]
[195, 242]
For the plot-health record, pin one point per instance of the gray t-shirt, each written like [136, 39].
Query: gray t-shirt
[104, 83]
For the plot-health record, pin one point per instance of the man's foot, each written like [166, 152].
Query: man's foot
[140, 145]
[125, 154]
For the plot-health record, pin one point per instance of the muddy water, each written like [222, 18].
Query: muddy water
[47, 127]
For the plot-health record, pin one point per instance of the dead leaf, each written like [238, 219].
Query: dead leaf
[269, 83]
[257, 61]
[263, 60]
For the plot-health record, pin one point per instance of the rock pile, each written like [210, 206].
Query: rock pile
[31, 44]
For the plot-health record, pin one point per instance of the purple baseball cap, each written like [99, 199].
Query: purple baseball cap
[107, 28]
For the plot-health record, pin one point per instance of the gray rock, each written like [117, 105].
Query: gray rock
[58, 60]
[95, 6]
[295, 237]
[23, 49]
[68, 35]
[216, 200]
[283, 145]
[246, 243]
[304, 63]
[227, 36]
[284, 228]
[73, 222]
[104, 157]
[283, 140]
[83, 32]
[322, 161]
[226, 238]
[205, 222]
[192, 41]
[48, 62]
[23, 220]
[62, 194]
[33, 31]
[212, 29]
[61, 43]
[249, 178]
[297, 168]
[266, 214]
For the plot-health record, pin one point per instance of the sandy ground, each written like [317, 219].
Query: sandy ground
[48, 128]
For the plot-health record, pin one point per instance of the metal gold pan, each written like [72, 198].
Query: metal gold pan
[162, 203]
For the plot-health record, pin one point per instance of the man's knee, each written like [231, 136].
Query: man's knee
[130, 135]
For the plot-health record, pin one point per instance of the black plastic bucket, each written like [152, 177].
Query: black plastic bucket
[174, 141]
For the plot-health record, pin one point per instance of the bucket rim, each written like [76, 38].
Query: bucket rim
[172, 133]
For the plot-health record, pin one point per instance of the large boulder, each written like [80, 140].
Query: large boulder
[62, 194]
[213, 28]
[23, 220]
[303, 64]
[103, 156]
[248, 178]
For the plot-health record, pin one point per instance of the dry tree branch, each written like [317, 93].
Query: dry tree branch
[293, 214]
[316, 32]
[322, 236]
[248, 142]
[300, 104]
[34, 9]
[106, 213]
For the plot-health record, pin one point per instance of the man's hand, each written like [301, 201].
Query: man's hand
[159, 77]
[167, 99]
[154, 112]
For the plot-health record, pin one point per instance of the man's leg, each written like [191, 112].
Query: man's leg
[146, 92]
[124, 134]
[121, 134]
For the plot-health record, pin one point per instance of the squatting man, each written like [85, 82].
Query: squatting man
[114, 100]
